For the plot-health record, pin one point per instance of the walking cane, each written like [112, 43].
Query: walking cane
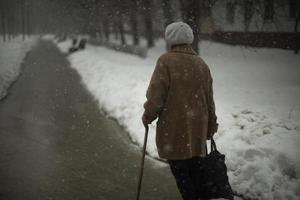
[142, 163]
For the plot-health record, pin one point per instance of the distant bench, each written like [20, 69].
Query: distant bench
[76, 46]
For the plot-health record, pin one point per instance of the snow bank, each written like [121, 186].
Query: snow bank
[257, 94]
[50, 37]
[12, 54]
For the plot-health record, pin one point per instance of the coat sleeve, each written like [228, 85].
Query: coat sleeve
[212, 118]
[157, 91]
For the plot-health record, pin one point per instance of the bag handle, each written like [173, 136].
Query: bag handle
[213, 146]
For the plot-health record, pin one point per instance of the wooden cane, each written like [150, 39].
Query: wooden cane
[142, 164]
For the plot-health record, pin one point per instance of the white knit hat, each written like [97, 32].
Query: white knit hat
[179, 33]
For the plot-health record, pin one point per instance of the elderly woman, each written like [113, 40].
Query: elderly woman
[180, 95]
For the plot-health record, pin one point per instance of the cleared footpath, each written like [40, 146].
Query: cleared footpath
[56, 144]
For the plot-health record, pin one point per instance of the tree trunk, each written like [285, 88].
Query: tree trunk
[297, 19]
[133, 21]
[27, 13]
[105, 26]
[8, 22]
[13, 19]
[168, 12]
[2, 15]
[248, 13]
[116, 31]
[191, 15]
[3, 26]
[100, 36]
[148, 22]
[296, 51]
[23, 18]
[121, 29]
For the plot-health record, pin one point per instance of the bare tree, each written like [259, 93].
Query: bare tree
[9, 23]
[268, 9]
[121, 29]
[248, 13]
[147, 9]
[3, 19]
[133, 21]
[230, 11]
[23, 18]
[191, 15]
[297, 19]
[27, 21]
[106, 29]
[168, 11]
[297, 16]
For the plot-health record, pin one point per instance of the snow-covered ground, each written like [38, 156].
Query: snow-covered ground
[257, 94]
[12, 54]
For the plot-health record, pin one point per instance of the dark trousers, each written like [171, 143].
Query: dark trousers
[188, 176]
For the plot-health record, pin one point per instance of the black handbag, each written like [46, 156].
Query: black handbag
[213, 177]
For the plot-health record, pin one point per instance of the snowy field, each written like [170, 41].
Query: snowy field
[12, 54]
[256, 92]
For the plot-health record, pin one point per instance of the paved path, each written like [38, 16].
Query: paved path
[55, 143]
